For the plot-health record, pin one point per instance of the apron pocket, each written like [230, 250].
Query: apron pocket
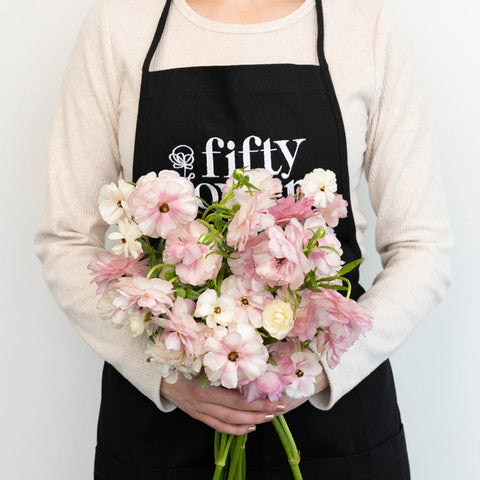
[387, 461]
[108, 468]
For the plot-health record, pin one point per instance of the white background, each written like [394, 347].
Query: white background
[50, 380]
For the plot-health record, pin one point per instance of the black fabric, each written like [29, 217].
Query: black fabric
[360, 436]
[203, 122]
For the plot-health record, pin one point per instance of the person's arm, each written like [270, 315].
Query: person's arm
[408, 195]
[84, 155]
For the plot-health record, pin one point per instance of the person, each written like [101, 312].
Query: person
[220, 84]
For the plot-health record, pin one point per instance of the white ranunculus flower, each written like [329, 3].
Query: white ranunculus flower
[137, 323]
[216, 310]
[320, 185]
[278, 319]
[112, 200]
[128, 232]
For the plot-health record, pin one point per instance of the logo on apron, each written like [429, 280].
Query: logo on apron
[223, 156]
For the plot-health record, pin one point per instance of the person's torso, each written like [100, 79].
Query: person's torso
[191, 40]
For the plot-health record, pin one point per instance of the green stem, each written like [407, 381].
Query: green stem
[349, 286]
[216, 445]
[158, 266]
[235, 457]
[289, 435]
[242, 467]
[289, 445]
[282, 436]
[225, 443]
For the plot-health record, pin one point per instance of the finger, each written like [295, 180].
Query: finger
[222, 427]
[235, 400]
[235, 417]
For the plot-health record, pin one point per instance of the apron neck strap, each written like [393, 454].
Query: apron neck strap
[156, 38]
[163, 20]
[320, 34]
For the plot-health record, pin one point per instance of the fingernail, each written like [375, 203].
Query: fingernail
[280, 408]
[252, 428]
[270, 416]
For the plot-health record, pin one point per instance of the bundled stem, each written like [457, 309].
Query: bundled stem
[230, 451]
[289, 445]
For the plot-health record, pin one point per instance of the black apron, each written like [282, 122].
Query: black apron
[204, 122]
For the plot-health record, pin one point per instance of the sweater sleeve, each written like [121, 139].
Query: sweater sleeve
[407, 194]
[84, 155]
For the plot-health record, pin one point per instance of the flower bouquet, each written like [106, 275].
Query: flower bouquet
[243, 292]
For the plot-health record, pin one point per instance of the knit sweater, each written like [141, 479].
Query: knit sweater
[389, 138]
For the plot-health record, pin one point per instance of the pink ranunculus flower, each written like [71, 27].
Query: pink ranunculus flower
[181, 331]
[162, 203]
[279, 259]
[287, 346]
[287, 208]
[326, 261]
[154, 294]
[252, 218]
[333, 307]
[107, 310]
[249, 302]
[306, 321]
[195, 263]
[172, 361]
[272, 383]
[334, 210]
[307, 367]
[235, 355]
[107, 268]
[242, 264]
[333, 344]
[342, 322]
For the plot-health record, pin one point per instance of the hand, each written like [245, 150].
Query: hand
[320, 384]
[222, 409]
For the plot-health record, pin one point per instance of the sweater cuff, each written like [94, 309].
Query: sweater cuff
[163, 404]
[325, 399]
[144, 376]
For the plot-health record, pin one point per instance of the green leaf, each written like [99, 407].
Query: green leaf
[181, 292]
[271, 361]
[268, 340]
[204, 202]
[350, 266]
[169, 275]
[329, 286]
[305, 344]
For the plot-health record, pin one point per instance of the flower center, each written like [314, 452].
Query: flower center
[163, 208]
[280, 260]
[124, 240]
[233, 356]
[244, 301]
[119, 204]
[322, 188]
[299, 373]
[217, 310]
